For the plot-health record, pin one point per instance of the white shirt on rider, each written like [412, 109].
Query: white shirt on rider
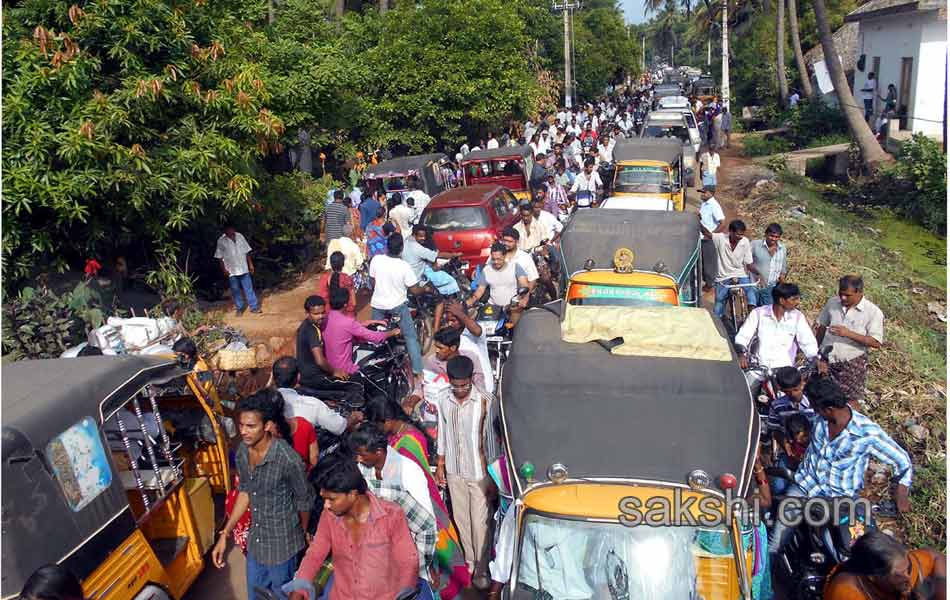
[552, 225]
[393, 277]
[314, 411]
[779, 340]
[586, 183]
[605, 152]
[732, 262]
[471, 344]
[531, 236]
[526, 262]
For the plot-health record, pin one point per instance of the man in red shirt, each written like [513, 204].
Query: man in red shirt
[374, 556]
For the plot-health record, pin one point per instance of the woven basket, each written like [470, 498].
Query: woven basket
[237, 360]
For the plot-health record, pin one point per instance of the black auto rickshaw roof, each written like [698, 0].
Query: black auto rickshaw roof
[402, 166]
[661, 149]
[628, 417]
[498, 153]
[42, 399]
[668, 236]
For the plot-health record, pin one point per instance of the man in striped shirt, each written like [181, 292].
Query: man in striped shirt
[467, 444]
[842, 442]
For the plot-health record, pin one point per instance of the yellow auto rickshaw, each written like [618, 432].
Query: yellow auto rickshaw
[508, 166]
[616, 257]
[115, 467]
[624, 454]
[649, 175]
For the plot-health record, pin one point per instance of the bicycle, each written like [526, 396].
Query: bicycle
[737, 305]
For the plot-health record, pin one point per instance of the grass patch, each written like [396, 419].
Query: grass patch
[831, 139]
[760, 145]
[907, 377]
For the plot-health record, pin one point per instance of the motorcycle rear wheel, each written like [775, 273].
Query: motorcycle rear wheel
[424, 326]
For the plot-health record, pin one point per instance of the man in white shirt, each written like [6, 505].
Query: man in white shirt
[234, 254]
[712, 218]
[401, 216]
[419, 197]
[782, 330]
[586, 185]
[530, 231]
[708, 167]
[509, 239]
[393, 279]
[868, 91]
[286, 376]
[734, 256]
[492, 143]
[605, 149]
[573, 127]
[473, 340]
[378, 460]
[551, 224]
[352, 253]
[793, 99]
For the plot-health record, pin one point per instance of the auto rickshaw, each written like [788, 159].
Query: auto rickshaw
[510, 167]
[115, 467]
[393, 175]
[650, 172]
[704, 89]
[616, 257]
[605, 440]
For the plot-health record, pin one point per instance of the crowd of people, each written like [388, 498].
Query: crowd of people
[414, 496]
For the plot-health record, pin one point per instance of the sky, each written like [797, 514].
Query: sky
[633, 10]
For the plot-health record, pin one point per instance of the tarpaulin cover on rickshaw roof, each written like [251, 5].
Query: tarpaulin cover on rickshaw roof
[670, 237]
[402, 166]
[42, 400]
[624, 417]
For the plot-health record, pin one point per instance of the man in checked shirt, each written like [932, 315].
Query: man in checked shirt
[842, 442]
[273, 484]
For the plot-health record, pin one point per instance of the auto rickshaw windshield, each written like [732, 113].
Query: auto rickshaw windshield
[603, 561]
[632, 178]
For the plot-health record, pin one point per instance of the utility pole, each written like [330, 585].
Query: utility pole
[725, 53]
[708, 53]
[643, 52]
[567, 7]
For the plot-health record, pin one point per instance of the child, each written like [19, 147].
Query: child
[792, 400]
[797, 436]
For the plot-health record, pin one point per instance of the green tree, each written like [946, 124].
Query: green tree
[124, 122]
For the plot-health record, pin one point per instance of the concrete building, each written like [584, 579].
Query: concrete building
[904, 43]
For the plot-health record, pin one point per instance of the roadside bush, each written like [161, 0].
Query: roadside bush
[41, 324]
[914, 185]
[760, 145]
[811, 120]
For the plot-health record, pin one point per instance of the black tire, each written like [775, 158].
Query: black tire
[738, 308]
[424, 325]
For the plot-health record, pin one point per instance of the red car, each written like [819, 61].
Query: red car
[470, 219]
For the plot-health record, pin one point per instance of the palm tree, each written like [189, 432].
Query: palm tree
[803, 77]
[871, 152]
[780, 53]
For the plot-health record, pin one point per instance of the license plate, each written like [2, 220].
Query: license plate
[489, 327]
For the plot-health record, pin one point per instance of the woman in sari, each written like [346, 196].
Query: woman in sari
[407, 438]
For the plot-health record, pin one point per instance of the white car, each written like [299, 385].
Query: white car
[673, 103]
[638, 203]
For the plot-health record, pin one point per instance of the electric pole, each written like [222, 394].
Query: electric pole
[643, 52]
[567, 8]
[725, 53]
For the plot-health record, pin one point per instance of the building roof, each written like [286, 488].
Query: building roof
[880, 8]
[846, 43]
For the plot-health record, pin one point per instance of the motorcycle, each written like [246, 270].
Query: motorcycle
[812, 551]
[422, 306]
[768, 391]
[496, 324]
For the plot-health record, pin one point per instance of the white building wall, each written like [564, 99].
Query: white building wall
[921, 37]
[932, 83]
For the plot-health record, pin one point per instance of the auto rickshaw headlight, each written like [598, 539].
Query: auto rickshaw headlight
[589, 264]
[698, 480]
[659, 267]
[557, 473]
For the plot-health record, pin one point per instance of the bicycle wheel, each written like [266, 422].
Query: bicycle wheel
[740, 307]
